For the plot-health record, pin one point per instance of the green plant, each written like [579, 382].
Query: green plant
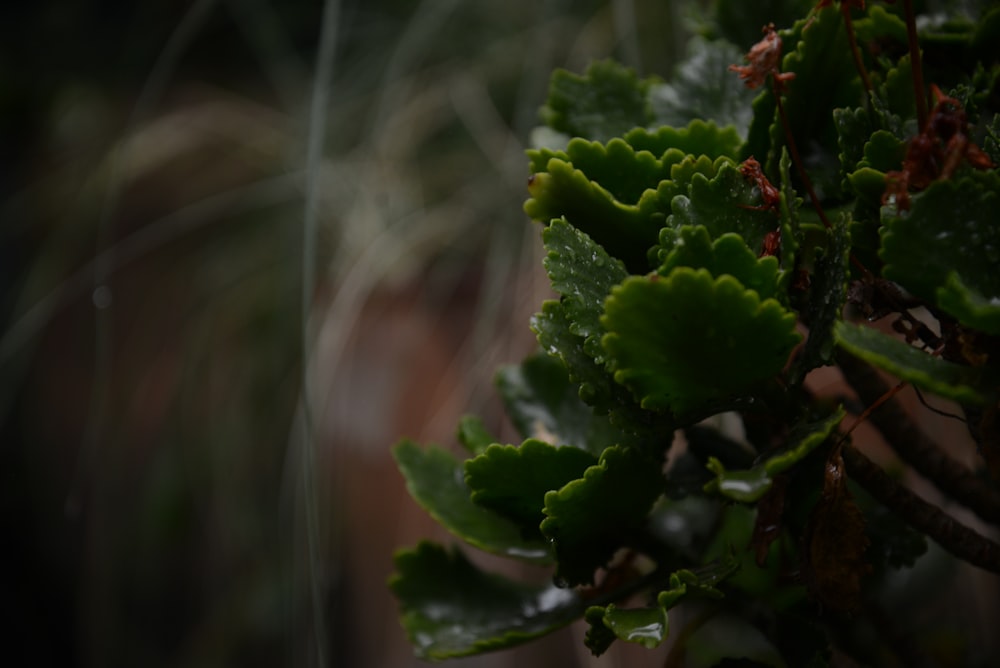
[712, 244]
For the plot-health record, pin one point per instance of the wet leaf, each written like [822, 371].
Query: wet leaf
[649, 626]
[906, 362]
[562, 191]
[620, 193]
[725, 203]
[645, 626]
[584, 274]
[727, 255]
[749, 486]
[543, 404]
[435, 479]
[946, 249]
[451, 608]
[590, 518]
[512, 480]
[683, 341]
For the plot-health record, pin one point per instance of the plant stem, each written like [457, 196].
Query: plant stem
[945, 530]
[915, 447]
[845, 9]
[794, 150]
[916, 66]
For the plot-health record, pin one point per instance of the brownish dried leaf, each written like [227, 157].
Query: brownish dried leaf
[835, 543]
[764, 58]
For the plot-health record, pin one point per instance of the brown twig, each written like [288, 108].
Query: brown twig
[945, 530]
[915, 447]
[845, 10]
[794, 150]
[916, 65]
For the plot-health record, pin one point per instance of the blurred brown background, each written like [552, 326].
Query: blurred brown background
[248, 245]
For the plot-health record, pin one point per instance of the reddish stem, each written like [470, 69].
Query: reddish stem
[794, 150]
[845, 9]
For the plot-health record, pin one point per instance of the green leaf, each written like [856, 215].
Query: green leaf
[645, 626]
[450, 608]
[950, 230]
[702, 88]
[598, 388]
[723, 204]
[739, 21]
[598, 637]
[727, 255]
[552, 327]
[687, 340]
[621, 228]
[869, 184]
[944, 378]
[620, 194]
[883, 152]
[696, 137]
[473, 435]
[880, 24]
[969, 305]
[543, 403]
[750, 485]
[436, 481]
[512, 480]
[583, 273]
[825, 79]
[854, 127]
[649, 626]
[590, 518]
[617, 166]
[607, 101]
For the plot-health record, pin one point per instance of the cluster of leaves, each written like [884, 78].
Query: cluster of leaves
[703, 240]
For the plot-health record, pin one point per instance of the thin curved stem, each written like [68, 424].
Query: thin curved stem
[794, 150]
[855, 52]
[915, 447]
[958, 539]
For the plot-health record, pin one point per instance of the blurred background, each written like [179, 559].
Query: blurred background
[246, 246]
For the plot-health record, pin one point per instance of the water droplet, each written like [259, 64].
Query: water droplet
[101, 297]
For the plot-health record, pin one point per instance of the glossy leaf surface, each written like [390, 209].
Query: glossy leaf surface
[947, 248]
[513, 480]
[748, 486]
[584, 274]
[683, 341]
[543, 404]
[723, 204]
[906, 362]
[590, 518]
[436, 480]
[451, 608]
